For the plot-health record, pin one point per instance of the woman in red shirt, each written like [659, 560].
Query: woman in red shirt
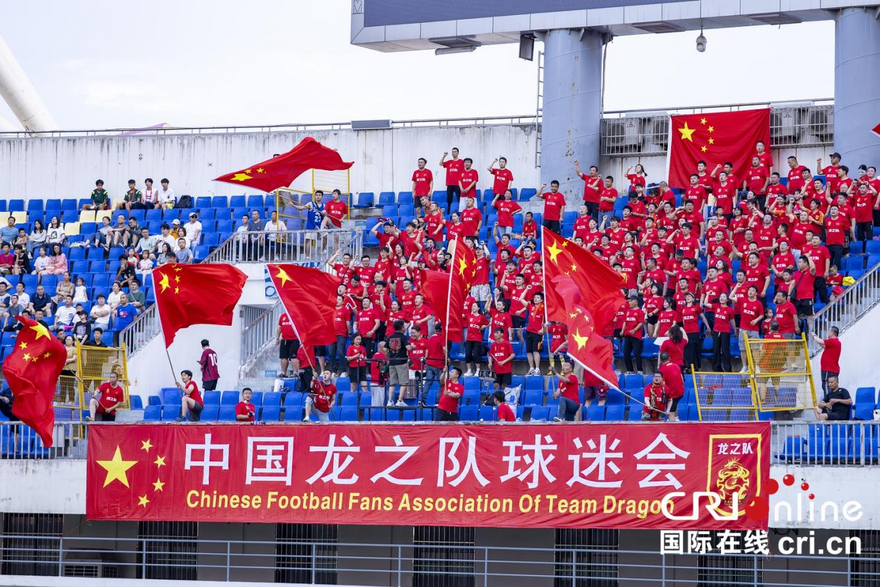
[567, 394]
[674, 346]
[473, 342]
[667, 318]
[637, 178]
[653, 304]
[192, 399]
[691, 316]
[356, 355]
[721, 335]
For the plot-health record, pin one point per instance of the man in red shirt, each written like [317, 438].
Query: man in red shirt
[751, 314]
[191, 402]
[830, 361]
[468, 179]
[756, 180]
[422, 182]
[108, 398]
[830, 172]
[764, 156]
[501, 357]
[451, 390]
[336, 210]
[503, 176]
[802, 288]
[285, 337]
[836, 230]
[554, 206]
[245, 411]
[322, 397]
[435, 360]
[695, 193]
[655, 399]
[567, 394]
[795, 175]
[208, 364]
[674, 382]
[471, 219]
[506, 207]
[503, 411]
[453, 167]
[786, 316]
[592, 187]
[607, 197]
[633, 324]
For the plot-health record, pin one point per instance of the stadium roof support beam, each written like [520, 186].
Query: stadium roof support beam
[20, 94]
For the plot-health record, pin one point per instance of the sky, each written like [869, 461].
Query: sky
[108, 64]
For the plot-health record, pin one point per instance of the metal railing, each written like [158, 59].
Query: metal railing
[856, 301]
[350, 563]
[258, 331]
[144, 328]
[18, 441]
[306, 247]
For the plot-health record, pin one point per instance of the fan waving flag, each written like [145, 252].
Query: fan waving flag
[447, 292]
[280, 171]
[32, 372]
[587, 347]
[196, 294]
[716, 138]
[309, 298]
[598, 284]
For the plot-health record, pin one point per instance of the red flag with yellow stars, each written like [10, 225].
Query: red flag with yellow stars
[309, 298]
[130, 472]
[280, 171]
[32, 372]
[597, 283]
[587, 347]
[196, 294]
[716, 138]
[446, 293]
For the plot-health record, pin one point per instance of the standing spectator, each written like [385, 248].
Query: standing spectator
[554, 206]
[673, 380]
[836, 403]
[368, 321]
[356, 355]
[655, 399]
[633, 324]
[9, 233]
[245, 411]
[378, 376]
[398, 359]
[721, 329]
[435, 361]
[501, 357]
[422, 183]
[504, 412]
[99, 198]
[80, 291]
[288, 343]
[273, 227]
[802, 288]
[68, 373]
[567, 395]
[191, 403]
[209, 366]
[453, 167]
[534, 334]
[106, 400]
[503, 176]
[322, 397]
[342, 329]
[830, 361]
[592, 188]
[506, 208]
[469, 179]
[336, 210]
[692, 315]
[476, 322]
[451, 391]
[6, 400]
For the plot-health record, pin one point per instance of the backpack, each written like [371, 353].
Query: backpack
[184, 201]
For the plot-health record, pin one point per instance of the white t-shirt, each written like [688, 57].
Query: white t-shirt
[194, 231]
[165, 196]
[101, 315]
[79, 294]
[275, 227]
[64, 315]
[113, 298]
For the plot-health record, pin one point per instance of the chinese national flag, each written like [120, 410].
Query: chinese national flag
[32, 372]
[309, 298]
[587, 347]
[714, 137]
[597, 284]
[446, 292]
[280, 171]
[196, 294]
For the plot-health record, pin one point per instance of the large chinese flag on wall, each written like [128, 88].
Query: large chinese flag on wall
[714, 137]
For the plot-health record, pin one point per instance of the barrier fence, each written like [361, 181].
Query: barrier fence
[856, 301]
[292, 246]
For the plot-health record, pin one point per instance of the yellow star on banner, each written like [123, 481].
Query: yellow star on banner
[687, 132]
[23, 345]
[158, 485]
[711, 141]
[711, 129]
[462, 265]
[574, 267]
[702, 121]
[41, 332]
[554, 251]
[177, 290]
[26, 357]
[261, 170]
[164, 282]
[241, 177]
[247, 171]
[159, 462]
[283, 276]
[580, 340]
[116, 469]
[35, 359]
[47, 355]
[703, 149]
[146, 445]
[143, 501]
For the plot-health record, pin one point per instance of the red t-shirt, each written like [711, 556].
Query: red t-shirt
[795, 179]
[558, 334]
[835, 231]
[286, 325]
[503, 178]
[423, 178]
[194, 392]
[366, 321]
[505, 414]
[336, 211]
[695, 194]
[454, 167]
[208, 361]
[592, 186]
[375, 364]
[360, 359]
[447, 403]
[245, 409]
[470, 219]
[341, 316]
[322, 394]
[553, 203]
[831, 177]
[830, 360]
[804, 288]
[724, 195]
[605, 205]
[474, 323]
[723, 314]
[665, 321]
[676, 351]
[417, 353]
[469, 177]
[690, 316]
[654, 396]
[506, 208]
[111, 395]
[500, 351]
[673, 379]
[568, 386]
[755, 179]
[536, 318]
[632, 318]
[750, 311]
[786, 316]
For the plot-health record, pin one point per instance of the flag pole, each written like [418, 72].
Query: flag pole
[454, 244]
[614, 387]
[290, 318]
[547, 340]
[162, 330]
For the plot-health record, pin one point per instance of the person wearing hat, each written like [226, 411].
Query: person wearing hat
[194, 229]
[175, 228]
[830, 172]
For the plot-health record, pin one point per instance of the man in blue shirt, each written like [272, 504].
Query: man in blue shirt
[9, 233]
[124, 315]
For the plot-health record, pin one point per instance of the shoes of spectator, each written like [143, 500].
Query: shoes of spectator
[422, 404]
[390, 404]
[401, 404]
[469, 373]
[551, 372]
[181, 419]
[306, 419]
[89, 419]
[557, 419]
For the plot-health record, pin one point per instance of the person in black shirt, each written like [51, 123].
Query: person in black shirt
[836, 403]
[398, 362]
[6, 404]
[97, 336]
[40, 301]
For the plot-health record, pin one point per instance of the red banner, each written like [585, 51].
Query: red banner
[597, 475]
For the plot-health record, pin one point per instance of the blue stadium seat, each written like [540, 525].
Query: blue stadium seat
[469, 413]
[540, 414]
[210, 413]
[257, 398]
[343, 384]
[211, 398]
[255, 201]
[635, 412]
[229, 398]
[487, 413]
[152, 413]
[364, 200]
[595, 413]
[271, 399]
[227, 414]
[219, 202]
[349, 414]
[137, 402]
[203, 202]
[237, 202]
[53, 205]
[154, 400]
[170, 396]
[866, 395]
[270, 414]
[16, 205]
[154, 215]
[614, 413]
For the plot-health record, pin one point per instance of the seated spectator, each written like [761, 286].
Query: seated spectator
[118, 230]
[566, 394]
[655, 399]
[57, 262]
[126, 274]
[40, 262]
[37, 237]
[191, 403]
[22, 264]
[13, 309]
[41, 302]
[136, 296]
[147, 243]
[100, 313]
[132, 233]
[7, 259]
[80, 292]
[150, 194]
[165, 195]
[145, 265]
[133, 198]
[21, 240]
[835, 405]
[97, 339]
[55, 233]
[183, 254]
[23, 296]
[245, 411]
[63, 289]
[82, 329]
[103, 236]
[9, 233]
[322, 397]
[64, 316]
[99, 198]
[115, 295]
[5, 294]
[194, 229]
[106, 400]
[166, 255]
[503, 410]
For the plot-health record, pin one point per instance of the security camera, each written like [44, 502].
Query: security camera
[701, 43]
